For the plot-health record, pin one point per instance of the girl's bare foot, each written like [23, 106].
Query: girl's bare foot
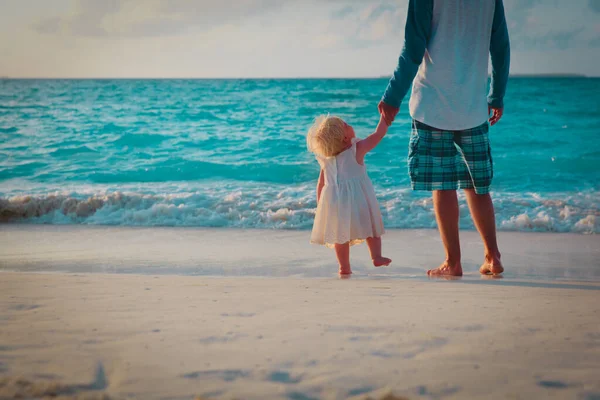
[446, 269]
[491, 265]
[381, 261]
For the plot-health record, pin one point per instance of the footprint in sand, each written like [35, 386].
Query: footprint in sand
[360, 390]
[447, 391]
[359, 338]
[49, 388]
[227, 375]
[24, 307]
[300, 396]
[554, 384]
[383, 354]
[422, 347]
[241, 314]
[283, 377]
[589, 396]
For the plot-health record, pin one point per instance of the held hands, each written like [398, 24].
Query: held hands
[369, 143]
[388, 113]
[497, 114]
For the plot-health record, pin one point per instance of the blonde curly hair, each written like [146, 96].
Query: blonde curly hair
[326, 136]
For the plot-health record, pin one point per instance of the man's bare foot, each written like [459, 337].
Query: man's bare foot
[344, 273]
[446, 269]
[381, 261]
[491, 266]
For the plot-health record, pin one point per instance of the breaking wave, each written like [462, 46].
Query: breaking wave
[286, 208]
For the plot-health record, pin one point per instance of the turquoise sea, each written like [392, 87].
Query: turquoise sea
[232, 153]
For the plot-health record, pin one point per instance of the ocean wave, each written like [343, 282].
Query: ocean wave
[140, 139]
[286, 208]
[71, 151]
[26, 168]
[178, 170]
[10, 129]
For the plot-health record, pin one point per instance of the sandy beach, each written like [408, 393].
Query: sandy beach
[116, 313]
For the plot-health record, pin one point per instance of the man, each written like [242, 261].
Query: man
[446, 47]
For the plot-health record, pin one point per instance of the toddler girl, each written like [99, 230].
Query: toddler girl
[347, 209]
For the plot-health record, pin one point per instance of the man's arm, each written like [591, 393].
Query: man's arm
[500, 54]
[416, 37]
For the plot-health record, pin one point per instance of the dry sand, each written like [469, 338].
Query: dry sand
[164, 336]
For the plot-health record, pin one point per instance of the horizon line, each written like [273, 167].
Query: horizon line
[516, 75]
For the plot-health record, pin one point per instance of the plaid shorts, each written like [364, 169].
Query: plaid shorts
[450, 160]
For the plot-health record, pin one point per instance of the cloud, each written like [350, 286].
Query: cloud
[343, 12]
[139, 18]
[557, 39]
[348, 24]
[533, 24]
[537, 25]
[365, 24]
[49, 25]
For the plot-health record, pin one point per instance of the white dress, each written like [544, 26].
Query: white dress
[348, 210]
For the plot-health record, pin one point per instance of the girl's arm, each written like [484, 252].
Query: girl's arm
[369, 143]
[320, 185]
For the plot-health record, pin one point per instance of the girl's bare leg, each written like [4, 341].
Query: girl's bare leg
[342, 252]
[374, 244]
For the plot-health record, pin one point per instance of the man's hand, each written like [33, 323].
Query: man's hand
[497, 114]
[387, 112]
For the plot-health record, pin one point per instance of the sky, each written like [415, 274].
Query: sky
[263, 38]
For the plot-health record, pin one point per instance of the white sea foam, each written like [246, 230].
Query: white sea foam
[269, 206]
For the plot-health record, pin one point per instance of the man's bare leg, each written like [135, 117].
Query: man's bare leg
[482, 211]
[374, 244]
[342, 252]
[445, 203]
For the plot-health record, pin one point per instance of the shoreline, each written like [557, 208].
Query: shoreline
[229, 252]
